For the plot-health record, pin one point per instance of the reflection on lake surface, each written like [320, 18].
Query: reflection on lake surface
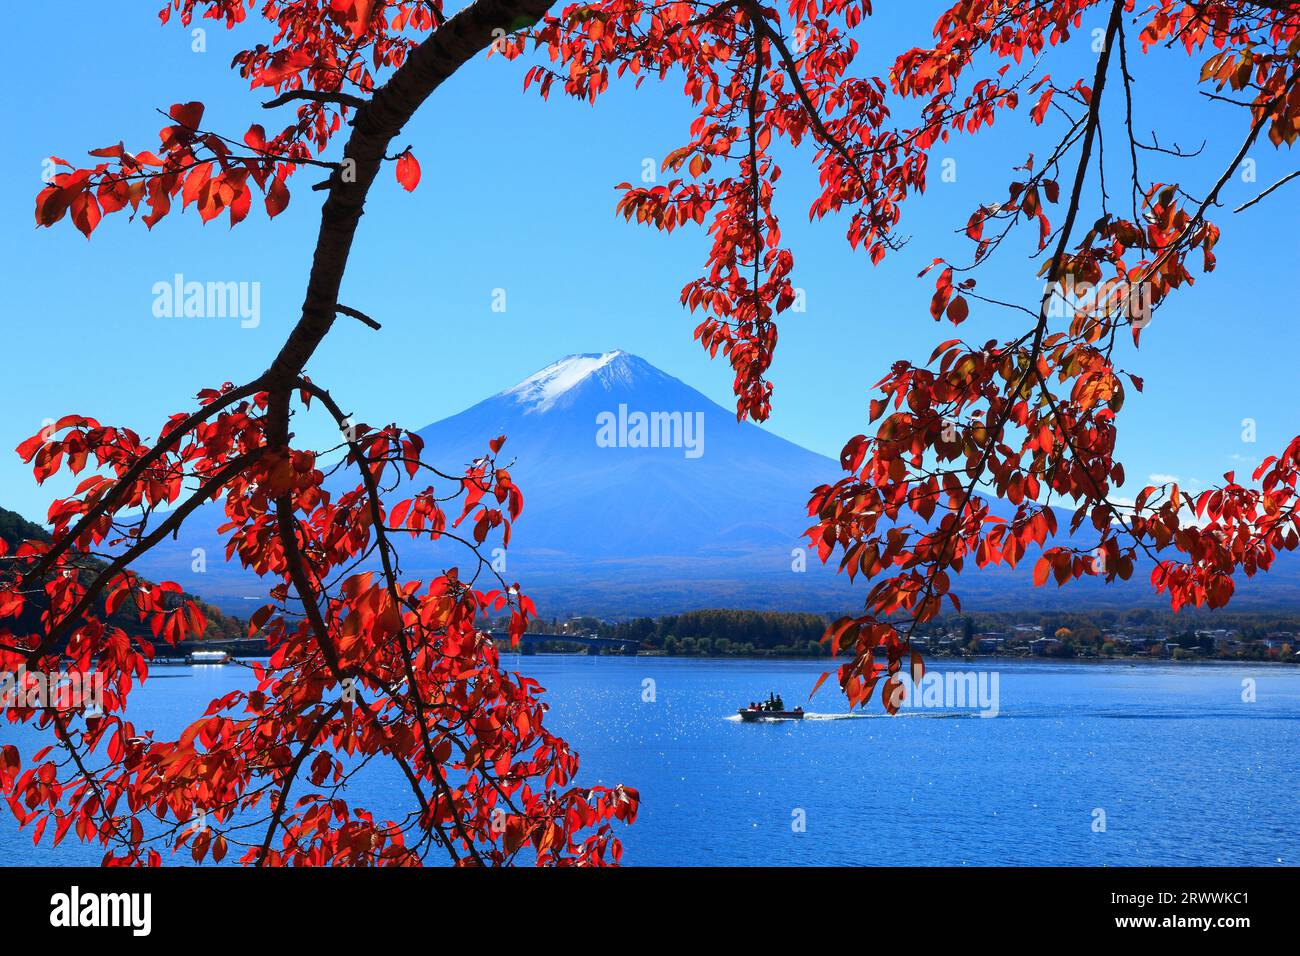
[1185, 771]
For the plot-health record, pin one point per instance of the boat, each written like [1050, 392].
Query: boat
[754, 715]
[209, 657]
[771, 709]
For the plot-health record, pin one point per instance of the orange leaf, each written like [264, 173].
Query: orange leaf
[1041, 570]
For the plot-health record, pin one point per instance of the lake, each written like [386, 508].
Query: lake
[1085, 764]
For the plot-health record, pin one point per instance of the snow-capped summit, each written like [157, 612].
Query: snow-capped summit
[542, 390]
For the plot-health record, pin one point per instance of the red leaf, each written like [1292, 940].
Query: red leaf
[85, 213]
[277, 197]
[408, 171]
[188, 115]
[958, 310]
[353, 14]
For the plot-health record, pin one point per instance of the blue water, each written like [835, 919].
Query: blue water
[1185, 771]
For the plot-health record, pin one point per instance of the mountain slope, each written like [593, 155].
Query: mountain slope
[695, 497]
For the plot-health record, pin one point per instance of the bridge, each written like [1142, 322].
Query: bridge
[593, 644]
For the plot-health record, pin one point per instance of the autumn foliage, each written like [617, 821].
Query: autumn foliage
[367, 664]
[377, 668]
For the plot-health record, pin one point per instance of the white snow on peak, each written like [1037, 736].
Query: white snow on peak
[543, 389]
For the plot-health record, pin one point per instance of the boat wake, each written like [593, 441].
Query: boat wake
[930, 714]
[811, 716]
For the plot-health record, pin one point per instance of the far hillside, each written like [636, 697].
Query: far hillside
[14, 529]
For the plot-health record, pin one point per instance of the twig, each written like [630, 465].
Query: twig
[1281, 182]
[316, 96]
[359, 316]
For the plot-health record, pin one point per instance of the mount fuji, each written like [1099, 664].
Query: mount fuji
[641, 496]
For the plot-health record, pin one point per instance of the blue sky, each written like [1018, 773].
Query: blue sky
[518, 194]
